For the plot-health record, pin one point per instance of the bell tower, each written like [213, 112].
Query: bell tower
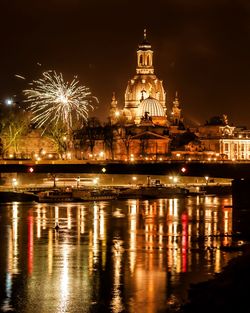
[176, 110]
[144, 83]
[145, 57]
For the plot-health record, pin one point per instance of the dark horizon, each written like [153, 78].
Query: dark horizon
[200, 49]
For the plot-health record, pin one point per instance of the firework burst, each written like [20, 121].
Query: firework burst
[54, 101]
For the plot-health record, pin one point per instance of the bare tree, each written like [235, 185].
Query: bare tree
[109, 137]
[89, 134]
[14, 127]
[58, 134]
[125, 135]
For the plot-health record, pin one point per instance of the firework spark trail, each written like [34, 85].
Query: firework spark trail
[52, 100]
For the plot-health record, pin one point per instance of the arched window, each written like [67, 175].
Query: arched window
[141, 60]
[148, 60]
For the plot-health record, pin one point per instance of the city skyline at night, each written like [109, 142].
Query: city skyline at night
[200, 49]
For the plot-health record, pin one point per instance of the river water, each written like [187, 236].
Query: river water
[115, 256]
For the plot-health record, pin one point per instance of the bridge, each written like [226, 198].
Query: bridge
[220, 169]
[239, 172]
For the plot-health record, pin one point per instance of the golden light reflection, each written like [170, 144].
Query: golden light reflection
[15, 238]
[50, 251]
[161, 208]
[38, 221]
[82, 220]
[102, 224]
[69, 217]
[64, 284]
[227, 226]
[116, 302]
[10, 251]
[161, 233]
[56, 215]
[95, 233]
[158, 236]
[44, 219]
[103, 234]
[132, 235]
[217, 266]
[30, 242]
[6, 306]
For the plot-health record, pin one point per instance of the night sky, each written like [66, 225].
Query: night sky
[201, 48]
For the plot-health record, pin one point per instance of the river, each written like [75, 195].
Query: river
[117, 256]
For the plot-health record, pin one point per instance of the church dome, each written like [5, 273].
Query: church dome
[145, 83]
[152, 107]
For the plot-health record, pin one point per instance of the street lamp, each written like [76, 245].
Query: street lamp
[9, 101]
[206, 179]
[175, 179]
[14, 183]
[134, 178]
[78, 182]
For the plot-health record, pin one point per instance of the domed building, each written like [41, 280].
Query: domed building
[144, 134]
[144, 84]
[151, 109]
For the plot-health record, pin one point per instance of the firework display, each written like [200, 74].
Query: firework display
[52, 100]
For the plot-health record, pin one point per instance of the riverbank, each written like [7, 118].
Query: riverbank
[89, 193]
[227, 292]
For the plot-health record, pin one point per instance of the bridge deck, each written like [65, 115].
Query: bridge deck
[220, 169]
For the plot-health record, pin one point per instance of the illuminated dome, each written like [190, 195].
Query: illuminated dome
[145, 83]
[152, 107]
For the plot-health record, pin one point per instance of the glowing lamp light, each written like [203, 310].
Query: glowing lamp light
[183, 169]
[104, 170]
[14, 182]
[31, 170]
[9, 101]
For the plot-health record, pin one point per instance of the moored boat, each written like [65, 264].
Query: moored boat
[154, 192]
[76, 195]
[16, 196]
[97, 194]
[56, 195]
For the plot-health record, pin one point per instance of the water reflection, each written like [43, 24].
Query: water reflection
[133, 256]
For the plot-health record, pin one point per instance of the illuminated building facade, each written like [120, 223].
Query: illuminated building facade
[145, 92]
[225, 142]
[144, 124]
[142, 129]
